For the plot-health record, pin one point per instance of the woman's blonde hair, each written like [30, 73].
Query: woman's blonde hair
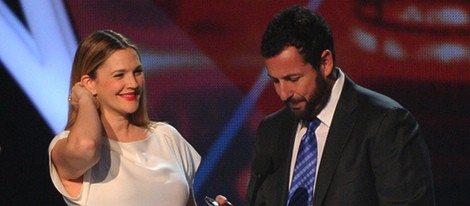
[90, 55]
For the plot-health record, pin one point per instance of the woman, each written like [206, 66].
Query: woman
[110, 153]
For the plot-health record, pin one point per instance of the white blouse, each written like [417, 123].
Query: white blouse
[158, 170]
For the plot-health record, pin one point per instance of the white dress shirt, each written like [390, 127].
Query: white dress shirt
[325, 116]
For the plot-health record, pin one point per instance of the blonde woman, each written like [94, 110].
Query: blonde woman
[110, 153]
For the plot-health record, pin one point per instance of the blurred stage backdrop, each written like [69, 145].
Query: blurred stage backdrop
[204, 75]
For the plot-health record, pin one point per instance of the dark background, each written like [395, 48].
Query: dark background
[215, 45]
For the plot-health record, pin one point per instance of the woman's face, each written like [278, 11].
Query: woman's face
[119, 83]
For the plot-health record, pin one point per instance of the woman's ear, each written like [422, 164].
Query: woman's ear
[88, 83]
[327, 65]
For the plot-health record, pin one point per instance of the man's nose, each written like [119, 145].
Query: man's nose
[284, 91]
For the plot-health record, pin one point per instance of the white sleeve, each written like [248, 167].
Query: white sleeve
[52, 170]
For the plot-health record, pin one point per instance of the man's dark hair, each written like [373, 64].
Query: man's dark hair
[299, 27]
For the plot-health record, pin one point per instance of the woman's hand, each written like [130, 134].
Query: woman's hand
[80, 93]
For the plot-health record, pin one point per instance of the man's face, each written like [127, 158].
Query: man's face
[303, 89]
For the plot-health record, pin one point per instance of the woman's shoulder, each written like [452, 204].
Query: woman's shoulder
[164, 129]
[161, 126]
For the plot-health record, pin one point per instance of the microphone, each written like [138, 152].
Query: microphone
[260, 166]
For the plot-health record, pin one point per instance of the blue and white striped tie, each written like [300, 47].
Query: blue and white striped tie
[301, 190]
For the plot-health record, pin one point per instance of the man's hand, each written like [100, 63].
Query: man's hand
[222, 200]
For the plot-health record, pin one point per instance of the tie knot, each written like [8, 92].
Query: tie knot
[312, 125]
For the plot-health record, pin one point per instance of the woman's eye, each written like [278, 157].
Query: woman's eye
[118, 75]
[138, 72]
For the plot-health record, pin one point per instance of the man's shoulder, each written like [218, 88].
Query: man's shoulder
[277, 119]
[367, 96]
[279, 114]
[373, 98]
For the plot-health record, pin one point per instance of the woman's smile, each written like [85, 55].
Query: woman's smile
[130, 96]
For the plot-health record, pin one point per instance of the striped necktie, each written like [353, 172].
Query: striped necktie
[301, 190]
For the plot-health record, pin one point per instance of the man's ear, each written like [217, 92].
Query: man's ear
[327, 65]
[89, 83]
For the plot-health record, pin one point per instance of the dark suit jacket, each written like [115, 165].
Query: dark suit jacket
[375, 154]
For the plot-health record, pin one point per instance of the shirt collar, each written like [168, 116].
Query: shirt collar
[326, 114]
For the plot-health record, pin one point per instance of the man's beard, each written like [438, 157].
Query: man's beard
[316, 102]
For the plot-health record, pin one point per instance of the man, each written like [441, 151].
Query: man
[369, 149]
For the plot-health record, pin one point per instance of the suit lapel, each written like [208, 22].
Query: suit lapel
[342, 124]
[286, 148]
[277, 139]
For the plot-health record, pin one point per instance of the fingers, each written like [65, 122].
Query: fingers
[78, 84]
[79, 92]
[222, 200]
